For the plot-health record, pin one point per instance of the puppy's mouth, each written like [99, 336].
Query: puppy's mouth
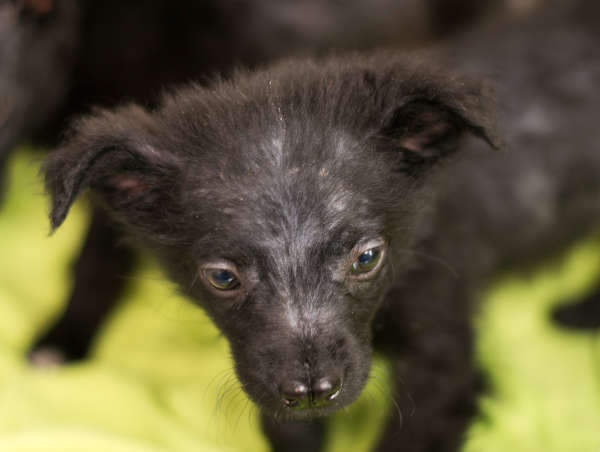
[306, 414]
[312, 405]
[305, 399]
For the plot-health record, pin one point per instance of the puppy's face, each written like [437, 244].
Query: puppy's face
[294, 289]
[277, 203]
[290, 260]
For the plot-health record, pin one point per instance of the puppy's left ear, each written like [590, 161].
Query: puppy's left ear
[431, 121]
[118, 156]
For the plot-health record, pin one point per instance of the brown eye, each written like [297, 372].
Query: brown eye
[221, 278]
[366, 262]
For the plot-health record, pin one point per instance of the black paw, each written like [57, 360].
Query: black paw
[46, 357]
[63, 343]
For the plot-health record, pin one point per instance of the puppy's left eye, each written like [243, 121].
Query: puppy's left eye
[366, 262]
[221, 278]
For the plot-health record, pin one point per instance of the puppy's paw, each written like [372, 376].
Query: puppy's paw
[47, 357]
[61, 344]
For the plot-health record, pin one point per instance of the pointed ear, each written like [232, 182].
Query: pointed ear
[114, 153]
[431, 122]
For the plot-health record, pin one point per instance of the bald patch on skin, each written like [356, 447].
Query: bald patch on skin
[340, 200]
[305, 314]
[274, 148]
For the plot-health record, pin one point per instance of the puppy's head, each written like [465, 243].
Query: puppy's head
[276, 201]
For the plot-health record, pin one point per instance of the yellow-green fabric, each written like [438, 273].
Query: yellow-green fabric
[160, 378]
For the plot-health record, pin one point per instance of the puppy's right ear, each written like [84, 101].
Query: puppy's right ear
[114, 153]
[428, 125]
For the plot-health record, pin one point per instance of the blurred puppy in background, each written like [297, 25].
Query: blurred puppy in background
[321, 210]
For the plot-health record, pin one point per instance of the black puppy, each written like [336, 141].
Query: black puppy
[284, 203]
[58, 57]
[306, 209]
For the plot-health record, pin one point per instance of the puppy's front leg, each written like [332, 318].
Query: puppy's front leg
[436, 401]
[297, 436]
[429, 337]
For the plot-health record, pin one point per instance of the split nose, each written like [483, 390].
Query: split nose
[320, 392]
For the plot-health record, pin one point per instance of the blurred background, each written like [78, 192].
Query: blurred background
[158, 377]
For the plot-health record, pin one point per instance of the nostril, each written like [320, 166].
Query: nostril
[291, 403]
[322, 392]
[295, 394]
[325, 390]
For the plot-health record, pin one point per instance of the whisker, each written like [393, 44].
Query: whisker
[234, 398]
[387, 393]
[218, 376]
[193, 282]
[230, 393]
[234, 392]
[413, 406]
[438, 260]
[242, 409]
[228, 383]
[249, 406]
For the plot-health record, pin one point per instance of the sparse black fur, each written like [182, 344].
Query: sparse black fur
[284, 176]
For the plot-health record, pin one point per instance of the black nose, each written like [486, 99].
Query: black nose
[321, 392]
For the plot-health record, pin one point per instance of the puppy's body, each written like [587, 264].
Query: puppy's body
[320, 210]
[491, 210]
[545, 189]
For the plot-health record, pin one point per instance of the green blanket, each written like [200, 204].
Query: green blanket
[160, 377]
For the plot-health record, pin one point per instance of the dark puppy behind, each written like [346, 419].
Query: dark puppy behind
[59, 57]
[37, 50]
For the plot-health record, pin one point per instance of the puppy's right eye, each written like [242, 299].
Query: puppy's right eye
[221, 278]
[368, 258]
[367, 261]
